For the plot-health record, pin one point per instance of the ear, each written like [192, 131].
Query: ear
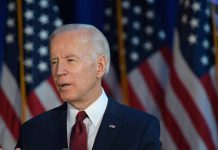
[101, 66]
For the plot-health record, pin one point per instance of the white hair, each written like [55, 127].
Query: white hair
[97, 37]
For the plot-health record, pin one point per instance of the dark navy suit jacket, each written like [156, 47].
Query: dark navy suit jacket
[122, 128]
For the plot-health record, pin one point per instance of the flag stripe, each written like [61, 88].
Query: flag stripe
[51, 82]
[158, 94]
[111, 81]
[181, 116]
[47, 96]
[34, 104]
[134, 101]
[9, 116]
[207, 83]
[11, 90]
[193, 111]
[8, 141]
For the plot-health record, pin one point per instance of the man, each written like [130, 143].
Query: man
[88, 120]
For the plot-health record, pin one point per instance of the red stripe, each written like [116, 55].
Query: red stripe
[107, 88]
[133, 99]
[158, 94]
[210, 90]
[165, 51]
[192, 110]
[9, 116]
[34, 104]
[51, 82]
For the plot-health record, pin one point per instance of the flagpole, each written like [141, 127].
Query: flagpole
[122, 54]
[215, 38]
[21, 60]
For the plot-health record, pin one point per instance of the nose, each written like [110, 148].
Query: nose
[61, 69]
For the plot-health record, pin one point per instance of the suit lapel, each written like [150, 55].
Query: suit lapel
[59, 129]
[109, 127]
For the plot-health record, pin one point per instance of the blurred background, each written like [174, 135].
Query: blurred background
[163, 55]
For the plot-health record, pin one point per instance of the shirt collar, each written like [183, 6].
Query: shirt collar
[95, 111]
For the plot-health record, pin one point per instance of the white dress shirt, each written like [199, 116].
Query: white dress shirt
[95, 114]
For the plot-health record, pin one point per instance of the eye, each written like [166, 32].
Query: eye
[71, 60]
[53, 62]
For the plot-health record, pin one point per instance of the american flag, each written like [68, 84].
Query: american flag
[177, 85]
[39, 18]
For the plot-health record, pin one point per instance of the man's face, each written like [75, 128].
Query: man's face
[76, 74]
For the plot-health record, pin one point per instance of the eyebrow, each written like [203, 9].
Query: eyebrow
[68, 56]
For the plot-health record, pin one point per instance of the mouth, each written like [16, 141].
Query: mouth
[63, 86]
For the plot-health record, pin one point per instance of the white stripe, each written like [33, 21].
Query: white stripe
[183, 120]
[159, 68]
[6, 139]
[166, 139]
[196, 90]
[11, 89]
[212, 72]
[141, 90]
[113, 83]
[47, 96]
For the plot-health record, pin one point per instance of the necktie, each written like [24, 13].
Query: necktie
[78, 137]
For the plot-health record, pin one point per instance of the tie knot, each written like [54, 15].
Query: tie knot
[81, 115]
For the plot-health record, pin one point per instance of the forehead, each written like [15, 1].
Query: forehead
[79, 35]
[71, 41]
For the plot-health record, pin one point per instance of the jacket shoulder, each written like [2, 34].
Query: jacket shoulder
[47, 116]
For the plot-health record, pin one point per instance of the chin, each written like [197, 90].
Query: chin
[67, 98]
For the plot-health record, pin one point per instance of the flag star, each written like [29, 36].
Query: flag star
[55, 8]
[150, 1]
[162, 35]
[28, 14]
[106, 27]
[187, 3]
[43, 19]
[43, 3]
[42, 66]
[108, 12]
[134, 56]
[29, 1]
[126, 4]
[205, 44]
[58, 22]
[206, 28]
[28, 46]
[125, 20]
[9, 38]
[192, 39]
[135, 40]
[28, 30]
[194, 23]
[207, 12]
[28, 62]
[204, 60]
[184, 19]
[10, 22]
[147, 45]
[149, 30]
[136, 25]
[29, 78]
[150, 14]
[43, 34]
[11, 6]
[196, 6]
[43, 50]
[137, 10]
